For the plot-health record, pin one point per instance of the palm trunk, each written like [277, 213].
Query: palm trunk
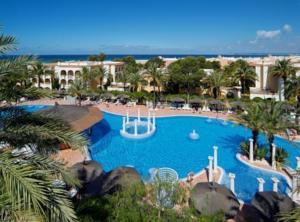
[39, 81]
[154, 99]
[79, 100]
[270, 141]
[297, 114]
[254, 137]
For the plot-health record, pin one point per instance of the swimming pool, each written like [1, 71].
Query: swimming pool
[171, 147]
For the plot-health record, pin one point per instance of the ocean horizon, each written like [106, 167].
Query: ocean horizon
[84, 57]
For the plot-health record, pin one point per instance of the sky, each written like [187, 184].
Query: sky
[152, 26]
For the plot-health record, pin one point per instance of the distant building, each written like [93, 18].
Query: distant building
[67, 72]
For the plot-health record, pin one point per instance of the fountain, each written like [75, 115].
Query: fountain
[193, 135]
[137, 128]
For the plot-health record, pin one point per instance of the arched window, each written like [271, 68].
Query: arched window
[70, 73]
[77, 74]
[63, 73]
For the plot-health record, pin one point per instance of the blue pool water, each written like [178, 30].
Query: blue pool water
[171, 147]
[34, 108]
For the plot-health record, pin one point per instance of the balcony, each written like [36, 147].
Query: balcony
[263, 93]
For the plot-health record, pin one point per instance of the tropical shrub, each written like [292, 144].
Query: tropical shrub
[261, 153]
[281, 156]
[138, 204]
[245, 147]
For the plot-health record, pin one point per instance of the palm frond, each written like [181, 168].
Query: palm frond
[29, 182]
[7, 43]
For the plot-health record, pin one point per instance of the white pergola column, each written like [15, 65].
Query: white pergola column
[127, 116]
[298, 163]
[231, 182]
[210, 168]
[281, 89]
[273, 156]
[153, 121]
[275, 184]
[251, 150]
[135, 128]
[261, 182]
[139, 115]
[124, 124]
[215, 158]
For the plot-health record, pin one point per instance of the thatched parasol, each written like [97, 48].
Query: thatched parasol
[177, 100]
[216, 105]
[79, 117]
[211, 198]
[196, 101]
[106, 96]
[237, 105]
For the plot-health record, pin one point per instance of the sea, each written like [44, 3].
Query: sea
[81, 57]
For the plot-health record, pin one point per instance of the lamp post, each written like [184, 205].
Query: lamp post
[210, 168]
[215, 158]
[274, 156]
[231, 182]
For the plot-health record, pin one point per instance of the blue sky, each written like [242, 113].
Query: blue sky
[153, 26]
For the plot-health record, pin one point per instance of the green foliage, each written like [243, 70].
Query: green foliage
[215, 81]
[156, 60]
[283, 68]
[240, 72]
[55, 84]
[28, 193]
[77, 89]
[185, 74]
[101, 57]
[281, 156]
[261, 153]
[245, 147]
[139, 204]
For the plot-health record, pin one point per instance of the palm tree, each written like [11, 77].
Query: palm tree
[38, 71]
[7, 43]
[155, 74]
[99, 72]
[27, 192]
[282, 69]
[88, 76]
[136, 80]
[274, 121]
[124, 75]
[77, 89]
[244, 73]
[292, 88]
[253, 119]
[215, 81]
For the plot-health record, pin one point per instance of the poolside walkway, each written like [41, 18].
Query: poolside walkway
[133, 111]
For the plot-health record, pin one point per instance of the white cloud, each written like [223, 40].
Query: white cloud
[264, 34]
[287, 28]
